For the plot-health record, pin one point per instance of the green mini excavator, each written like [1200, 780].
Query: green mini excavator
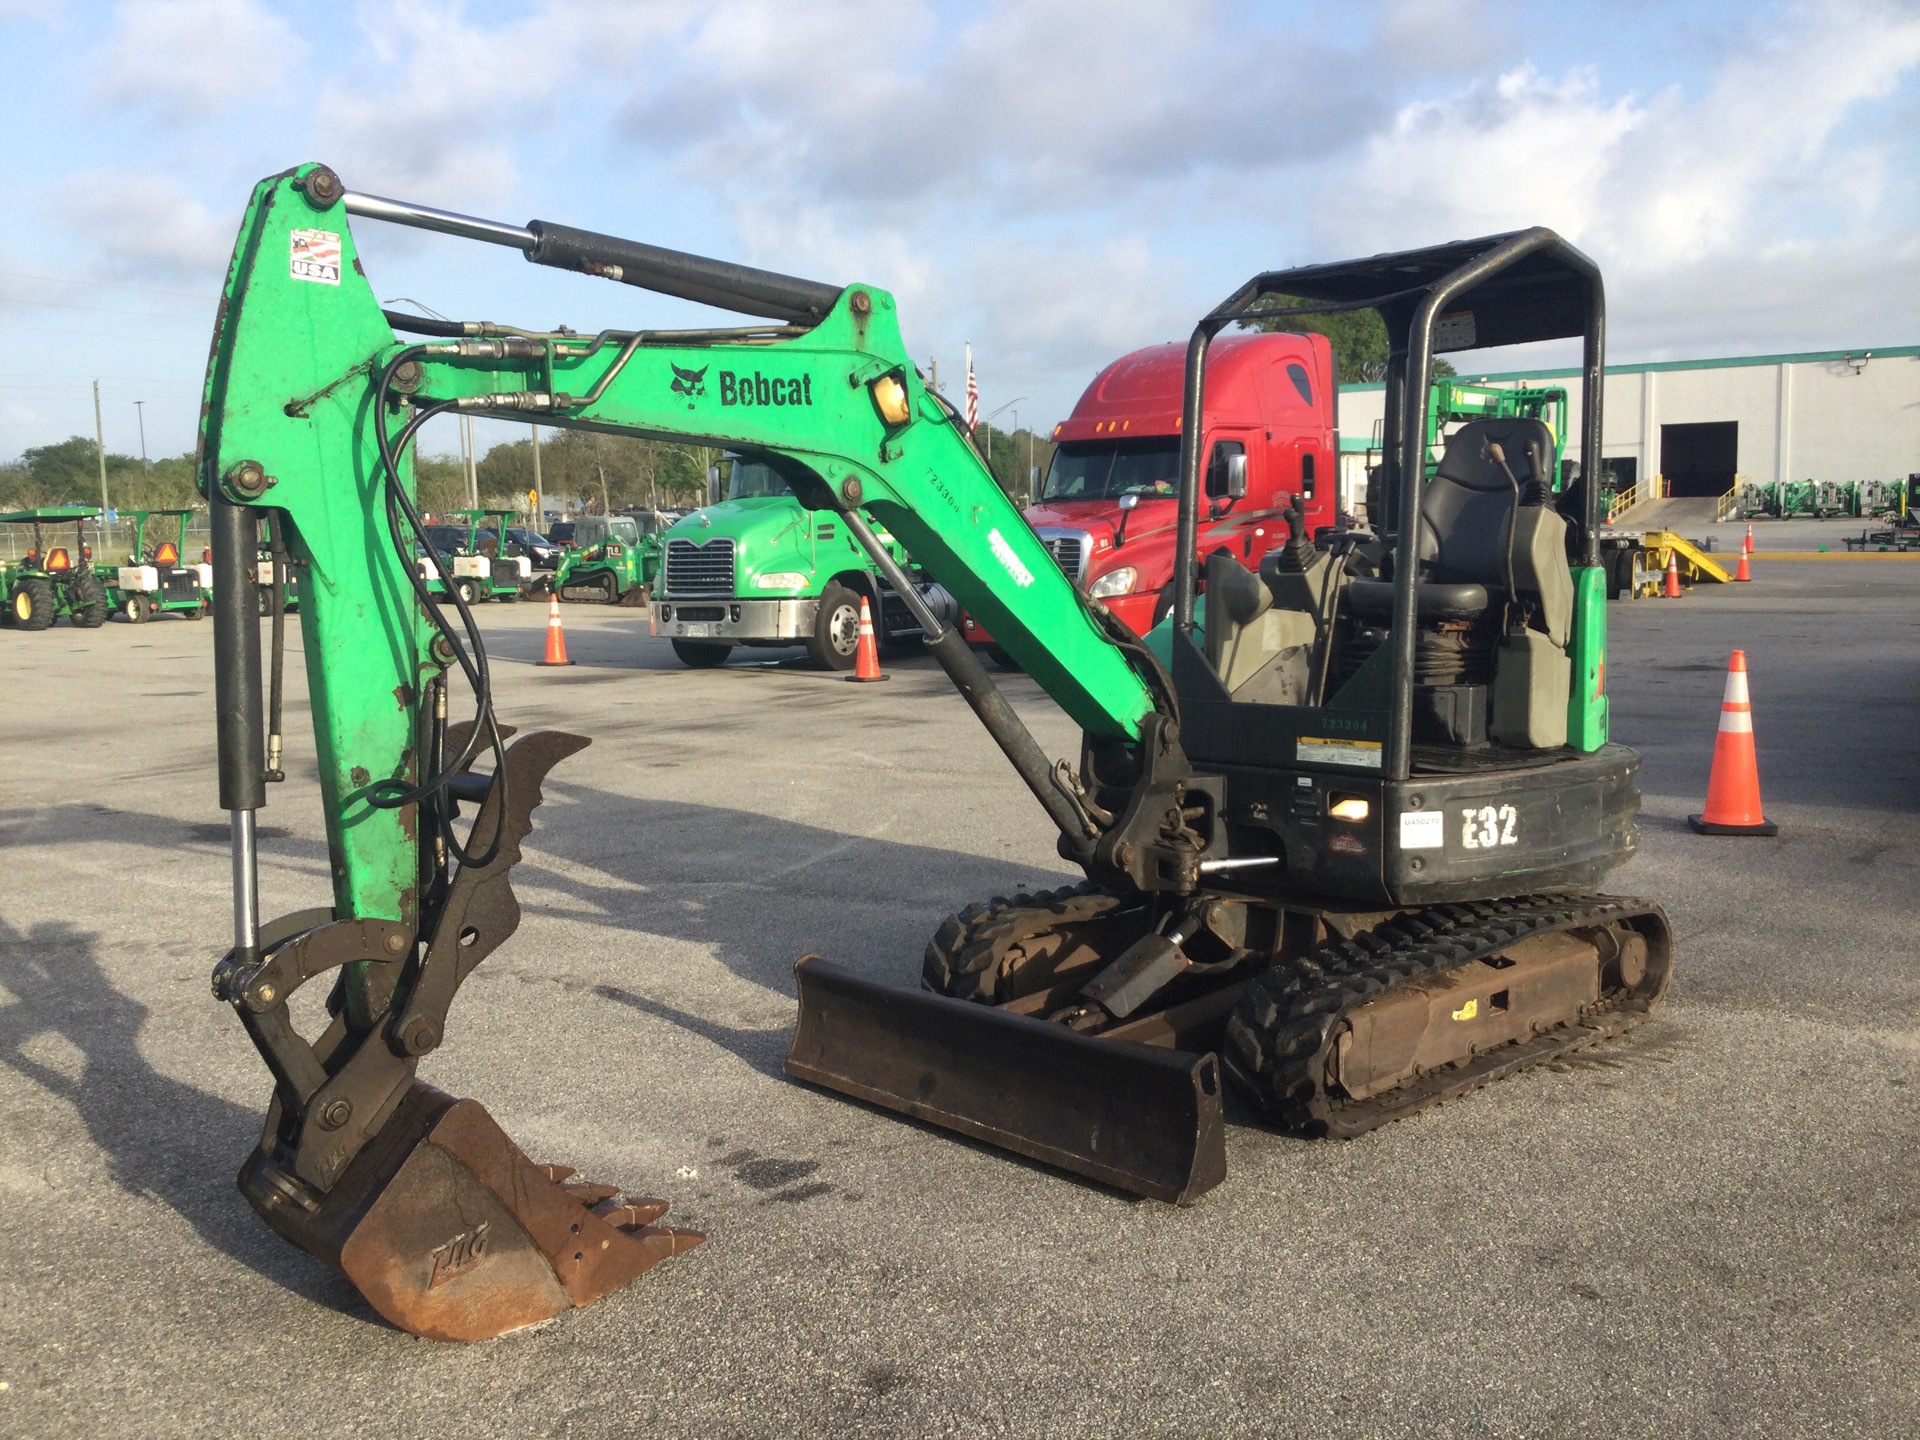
[1340, 820]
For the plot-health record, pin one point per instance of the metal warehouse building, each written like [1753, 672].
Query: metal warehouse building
[1843, 415]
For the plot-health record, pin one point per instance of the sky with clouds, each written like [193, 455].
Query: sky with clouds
[1056, 181]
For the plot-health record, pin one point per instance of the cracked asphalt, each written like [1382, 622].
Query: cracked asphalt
[1708, 1229]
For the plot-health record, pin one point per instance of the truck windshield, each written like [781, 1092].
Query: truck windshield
[1108, 469]
[752, 481]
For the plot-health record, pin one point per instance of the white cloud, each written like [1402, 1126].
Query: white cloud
[1716, 213]
[194, 60]
[145, 227]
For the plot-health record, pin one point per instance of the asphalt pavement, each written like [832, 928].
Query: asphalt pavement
[1710, 1228]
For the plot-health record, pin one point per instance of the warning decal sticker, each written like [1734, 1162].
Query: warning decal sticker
[316, 256]
[1311, 750]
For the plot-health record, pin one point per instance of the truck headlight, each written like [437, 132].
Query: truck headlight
[781, 580]
[1114, 582]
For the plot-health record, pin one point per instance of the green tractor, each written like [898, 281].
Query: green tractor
[615, 558]
[155, 578]
[45, 584]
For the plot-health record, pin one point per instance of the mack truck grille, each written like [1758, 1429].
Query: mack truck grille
[1069, 551]
[699, 572]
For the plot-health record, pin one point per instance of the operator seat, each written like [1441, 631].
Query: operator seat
[1465, 515]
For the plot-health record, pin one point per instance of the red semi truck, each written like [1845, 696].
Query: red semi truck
[1107, 508]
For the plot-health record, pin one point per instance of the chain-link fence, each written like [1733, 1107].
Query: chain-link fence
[112, 544]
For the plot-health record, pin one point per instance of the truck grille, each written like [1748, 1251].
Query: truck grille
[699, 572]
[1069, 551]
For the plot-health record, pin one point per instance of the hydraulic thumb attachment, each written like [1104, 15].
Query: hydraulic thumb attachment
[437, 1218]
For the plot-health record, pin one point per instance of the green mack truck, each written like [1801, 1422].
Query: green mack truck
[754, 567]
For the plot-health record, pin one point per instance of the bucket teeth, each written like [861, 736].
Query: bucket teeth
[633, 1214]
[590, 1192]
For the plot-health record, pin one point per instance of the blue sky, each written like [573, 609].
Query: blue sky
[1057, 181]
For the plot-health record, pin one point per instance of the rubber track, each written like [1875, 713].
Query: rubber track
[962, 959]
[1279, 1035]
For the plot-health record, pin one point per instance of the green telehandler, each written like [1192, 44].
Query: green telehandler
[1340, 847]
[47, 583]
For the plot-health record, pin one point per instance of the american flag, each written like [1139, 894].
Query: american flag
[973, 394]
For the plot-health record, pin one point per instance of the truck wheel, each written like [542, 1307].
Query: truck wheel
[836, 629]
[265, 600]
[88, 600]
[468, 592]
[137, 608]
[1163, 606]
[507, 597]
[198, 612]
[1002, 660]
[700, 655]
[33, 604]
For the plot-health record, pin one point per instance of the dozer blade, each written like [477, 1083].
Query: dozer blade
[1138, 1117]
[451, 1233]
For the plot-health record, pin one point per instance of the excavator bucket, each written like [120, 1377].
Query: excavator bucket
[1139, 1117]
[451, 1233]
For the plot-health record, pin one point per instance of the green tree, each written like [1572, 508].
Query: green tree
[1358, 337]
[1009, 454]
[439, 483]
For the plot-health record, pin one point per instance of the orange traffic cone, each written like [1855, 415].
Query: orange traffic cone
[1733, 786]
[1741, 572]
[1747, 547]
[866, 657]
[556, 637]
[1673, 575]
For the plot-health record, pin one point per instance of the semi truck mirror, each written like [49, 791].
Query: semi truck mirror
[1306, 474]
[1237, 476]
[1129, 501]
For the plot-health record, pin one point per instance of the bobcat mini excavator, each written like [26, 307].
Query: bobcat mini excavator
[1340, 829]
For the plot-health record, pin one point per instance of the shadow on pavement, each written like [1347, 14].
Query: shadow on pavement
[163, 1140]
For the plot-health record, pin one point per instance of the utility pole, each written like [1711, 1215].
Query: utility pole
[473, 475]
[539, 526]
[100, 448]
[933, 375]
[139, 409]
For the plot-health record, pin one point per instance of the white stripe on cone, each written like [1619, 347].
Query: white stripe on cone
[1736, 708]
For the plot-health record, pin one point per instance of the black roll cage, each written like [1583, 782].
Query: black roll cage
[1522, 286]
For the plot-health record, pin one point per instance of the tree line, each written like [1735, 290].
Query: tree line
[580, 470]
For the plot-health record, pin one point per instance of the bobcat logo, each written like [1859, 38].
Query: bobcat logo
[689, 383]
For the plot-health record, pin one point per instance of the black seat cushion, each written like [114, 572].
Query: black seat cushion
[1434, 599]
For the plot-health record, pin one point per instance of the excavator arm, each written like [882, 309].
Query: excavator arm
[312, 401]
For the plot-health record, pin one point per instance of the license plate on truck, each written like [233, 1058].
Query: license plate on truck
[696, 631]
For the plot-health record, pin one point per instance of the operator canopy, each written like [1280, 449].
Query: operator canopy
[1544, 295]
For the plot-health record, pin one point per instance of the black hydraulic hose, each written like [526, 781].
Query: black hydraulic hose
[393, 794]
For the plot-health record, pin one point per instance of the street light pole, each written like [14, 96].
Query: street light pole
[988, 424]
